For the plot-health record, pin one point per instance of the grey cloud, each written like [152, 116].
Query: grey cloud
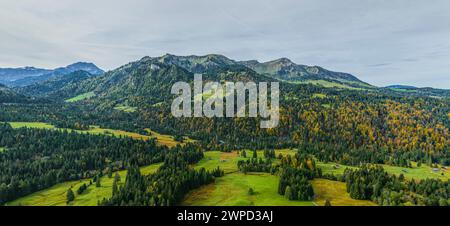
[382, 42]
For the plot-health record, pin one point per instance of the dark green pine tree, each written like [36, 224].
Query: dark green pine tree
[288, 193]
[115, 188]
[117, 177]
[70, 196]
[97, 182]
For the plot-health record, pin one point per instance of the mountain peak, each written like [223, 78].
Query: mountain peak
[83, 66]
[197, 64]
[282, 61]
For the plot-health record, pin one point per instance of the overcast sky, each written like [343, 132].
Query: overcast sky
[382, 42]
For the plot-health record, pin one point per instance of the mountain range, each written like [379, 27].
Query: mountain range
[150, 78]
[19, 77]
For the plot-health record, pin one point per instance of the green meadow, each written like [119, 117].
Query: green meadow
[227, 161]
[232, 190]
[319, 95]
[418, 173]
[56, 195]
[415, 172]
[37, 125]
[333, 168]
[125, 108]
[162, 139]
[336, 193]
[327, 84]
[81, 97]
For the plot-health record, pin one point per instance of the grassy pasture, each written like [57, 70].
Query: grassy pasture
[319, 95]
[335, 192]
[160, 138]
[37, 125]
[56, 195]
[228, 161]
[125, 108]
[417, 173]
[232, 190]
[327, 84]
[330, 168]
[80, 97]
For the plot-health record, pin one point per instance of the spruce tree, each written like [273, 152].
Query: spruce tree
[70, 196]
[97, 182]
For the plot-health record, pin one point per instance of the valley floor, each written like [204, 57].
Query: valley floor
[232, 188]
[56, 195]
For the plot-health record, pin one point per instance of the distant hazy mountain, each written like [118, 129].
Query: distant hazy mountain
[54, 84]
[401, 87]
[427, 91]
[13, 74]
[29, 75]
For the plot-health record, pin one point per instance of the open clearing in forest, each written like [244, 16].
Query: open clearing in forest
[232, 190]
[81, 97]
[336, 193]
[162, 139]
[56, 195]
[417, 173]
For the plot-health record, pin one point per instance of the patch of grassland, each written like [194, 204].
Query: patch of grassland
[417, 173]
[326, 84]
[227, 161]
[56, 195]
[333, 168]
[37, 125]
[80, 97]
[232, 190]
[160, 138]
[403, 90]
[167, 140]
[125, 108]
[319, 95]
[157, 104]
[336, 192]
